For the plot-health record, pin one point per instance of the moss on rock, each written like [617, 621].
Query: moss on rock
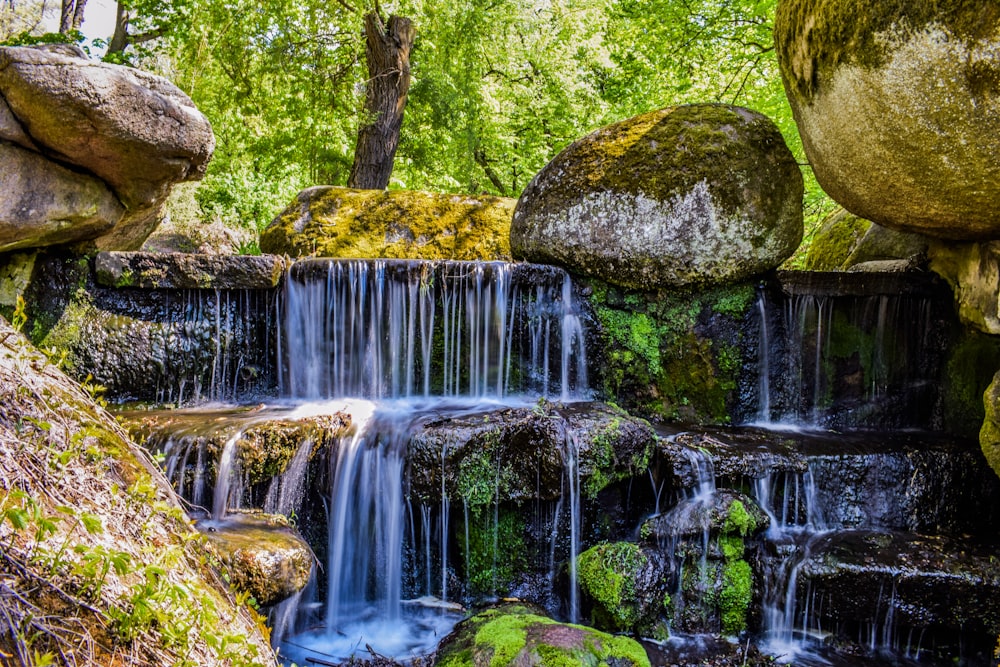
[699, 194]
[836, 239]
[516, 634]
[672, 354]
[328, 221]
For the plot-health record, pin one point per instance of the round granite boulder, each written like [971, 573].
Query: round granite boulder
[692, 195]
[898, 105]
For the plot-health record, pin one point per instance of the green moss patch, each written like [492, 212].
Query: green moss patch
[402, 224]
[672, 354]
[515, 634]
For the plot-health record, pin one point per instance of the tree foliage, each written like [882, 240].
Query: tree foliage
[498, 86]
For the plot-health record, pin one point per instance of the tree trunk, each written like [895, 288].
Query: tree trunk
[71, 16]
[120, 38]
[387, 51]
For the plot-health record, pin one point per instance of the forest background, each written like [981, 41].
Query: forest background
[498, 87]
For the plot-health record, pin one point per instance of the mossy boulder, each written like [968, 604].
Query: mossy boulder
[847, 242]
[262, 555]
[519, 454]
[989, 435]
[898, 105]
[517, 634]
[625, 587]
[690, 195]
[835, 240]
[328, 221]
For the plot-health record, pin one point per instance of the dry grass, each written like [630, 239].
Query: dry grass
[98, 563]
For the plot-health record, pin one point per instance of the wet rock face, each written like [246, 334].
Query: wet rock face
[263, 555]
[187, 271]
[898, 105]
[153, 344]
[521, 454]
[136, 132]
[327, 221]
[919, 581]
[690, 195]
[517, 634]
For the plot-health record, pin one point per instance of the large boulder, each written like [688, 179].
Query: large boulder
[898, 105]
[328, 221]
[973, 272]
[43, 203]
[690, 195]
[135, 131]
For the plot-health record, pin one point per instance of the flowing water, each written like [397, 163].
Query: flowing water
[391, 344]
[397, 345]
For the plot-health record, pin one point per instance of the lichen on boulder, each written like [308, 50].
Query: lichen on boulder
[898, 105]
[518, 634]
[135, 131]
[692, 195]
[328, 221]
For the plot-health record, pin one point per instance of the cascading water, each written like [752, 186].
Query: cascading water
[418, 339]
[848, 361]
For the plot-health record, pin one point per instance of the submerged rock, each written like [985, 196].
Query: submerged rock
[328, 221]
[898, 105]
[187, 270]
[262, 554]
[517, 634]
[689, 195]
[135, 131]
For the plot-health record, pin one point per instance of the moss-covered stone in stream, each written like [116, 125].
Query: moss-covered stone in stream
[516, 634]
[328, 221]
[601, 465]
[606, 573]
[673, 354]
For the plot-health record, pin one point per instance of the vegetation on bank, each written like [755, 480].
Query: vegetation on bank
[98, 562]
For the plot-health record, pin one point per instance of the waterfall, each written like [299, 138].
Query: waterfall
[415, 338]
[372, 329]
[848, 360]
